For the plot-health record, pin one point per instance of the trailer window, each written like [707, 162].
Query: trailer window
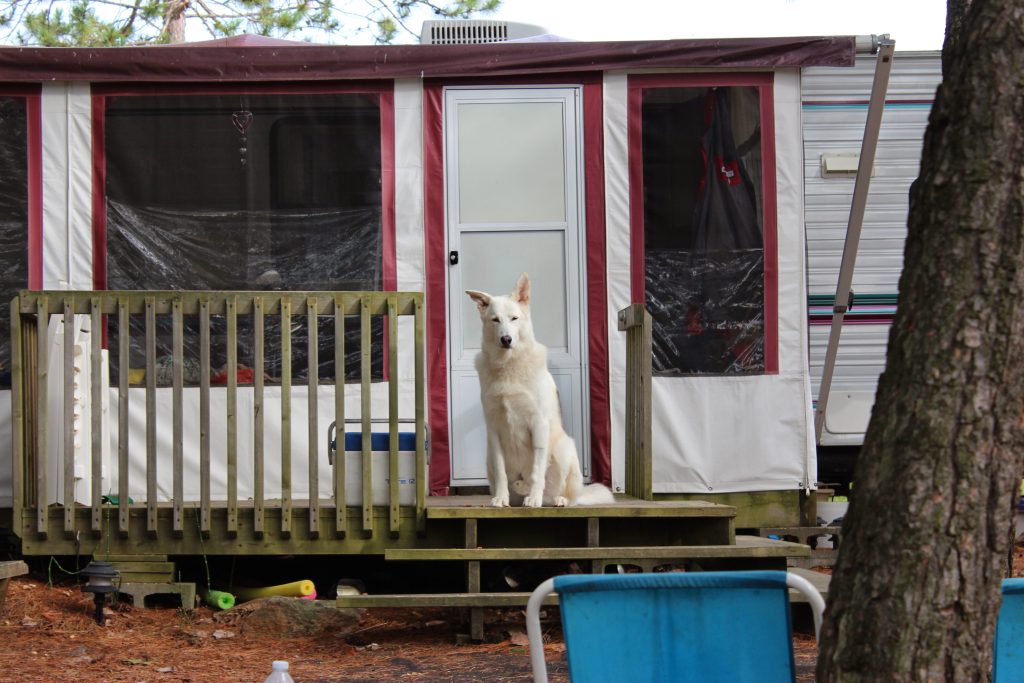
[703, 228]
[247, 192]
[13, 216]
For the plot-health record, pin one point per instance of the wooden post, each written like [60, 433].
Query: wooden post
[286, 415]
[177, 419]
[636, 322]
[17, 420]
[124, 361]
[395, 518]
[204, 416]
[340, 504]
[313, 433]
[69, 415]
[231, 313]
[97, 387]
[151, 518]
[258, 363]
[364, 388]
[419, 342]
[42, 399]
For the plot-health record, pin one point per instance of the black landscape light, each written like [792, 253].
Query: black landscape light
[100, 577]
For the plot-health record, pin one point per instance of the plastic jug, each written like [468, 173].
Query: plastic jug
[279, 673]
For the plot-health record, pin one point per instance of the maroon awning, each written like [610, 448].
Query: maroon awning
[247, 58]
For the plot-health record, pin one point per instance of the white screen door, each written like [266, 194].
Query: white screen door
[514, 205]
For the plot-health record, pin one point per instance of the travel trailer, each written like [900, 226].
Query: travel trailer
[237, 271]
[835, 104]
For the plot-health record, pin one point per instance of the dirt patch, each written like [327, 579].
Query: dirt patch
[48, 634]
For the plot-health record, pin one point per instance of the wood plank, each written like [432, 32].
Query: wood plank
[440, 600]
[419, 335]
[124, 365]
[364, 388]
[230, 313]
[313, 433]
[162, 299]
[42, 401]
[177, 415]
[204, 416]
[394, 520]
[136, 566]
[461, 507]
[286, 416]
[746, 546]
[340, 519]
[11, 568]
[151, 457]
[17, 419]
[259, 369]
[817, 579]
[69, 417]
[98, 385]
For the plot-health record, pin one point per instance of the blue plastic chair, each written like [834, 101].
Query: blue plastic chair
[699, 626]
[1008, 666]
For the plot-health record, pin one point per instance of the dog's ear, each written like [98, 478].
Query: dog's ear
[482, 299]
[521, 293]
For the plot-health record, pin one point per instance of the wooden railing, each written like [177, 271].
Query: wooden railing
[636, 322]
[113, 311]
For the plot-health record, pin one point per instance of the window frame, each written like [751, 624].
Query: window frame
[764, 83]
[382, 90]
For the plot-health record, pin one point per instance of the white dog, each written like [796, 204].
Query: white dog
[526, 444]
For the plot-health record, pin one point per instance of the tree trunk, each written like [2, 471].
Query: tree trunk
[174, 20]
[915, 591]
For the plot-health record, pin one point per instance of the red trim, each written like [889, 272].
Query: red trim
[764, 83]
[597, 283]
[33, 116]
[437, 274]
[387, 172]
[437, 277]
[99, 192]
[771, 234]
[34, 169]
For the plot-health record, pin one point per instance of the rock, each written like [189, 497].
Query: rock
[281, 616]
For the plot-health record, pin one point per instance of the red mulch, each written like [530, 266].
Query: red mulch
[48, 634]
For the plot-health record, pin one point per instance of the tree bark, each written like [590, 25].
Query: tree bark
[174, 20]
[916, 587]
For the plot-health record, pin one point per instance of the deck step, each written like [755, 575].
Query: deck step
[745, 547]
[820, 581]
[440, 600]
[478, 507]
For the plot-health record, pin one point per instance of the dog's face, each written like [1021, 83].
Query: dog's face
[506, 319]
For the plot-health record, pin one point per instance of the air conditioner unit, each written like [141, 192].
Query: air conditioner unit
[473, 31]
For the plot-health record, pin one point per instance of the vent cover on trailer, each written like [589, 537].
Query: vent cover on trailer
[470, 31]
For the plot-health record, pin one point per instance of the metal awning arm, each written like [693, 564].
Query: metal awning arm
[883, 66]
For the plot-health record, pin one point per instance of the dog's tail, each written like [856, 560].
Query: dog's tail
[594, 494]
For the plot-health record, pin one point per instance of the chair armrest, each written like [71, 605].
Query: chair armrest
[814, 598]
[536, 640]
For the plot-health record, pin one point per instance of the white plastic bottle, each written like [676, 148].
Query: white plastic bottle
[279, 673]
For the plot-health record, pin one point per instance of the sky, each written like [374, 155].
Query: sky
[913, 24]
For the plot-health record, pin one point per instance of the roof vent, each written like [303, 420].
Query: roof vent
[472, 31]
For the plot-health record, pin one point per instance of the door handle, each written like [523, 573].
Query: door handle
[453, 258]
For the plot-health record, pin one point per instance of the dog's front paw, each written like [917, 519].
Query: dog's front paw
[561, 502]
[500, 501]
[533, 502]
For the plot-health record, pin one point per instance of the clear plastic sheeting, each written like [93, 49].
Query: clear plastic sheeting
[13, 218]
[255, 250]
[707, 310]
[703, 232]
